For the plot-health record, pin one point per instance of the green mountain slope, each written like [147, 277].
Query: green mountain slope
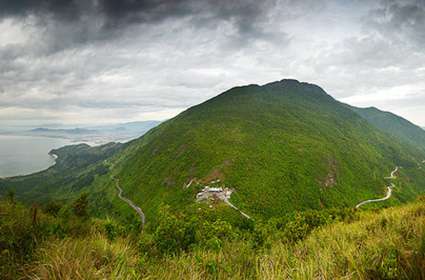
[283, 146]
[394, 125]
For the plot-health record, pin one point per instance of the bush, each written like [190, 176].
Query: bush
[173, 234]
[110, 230]
[80, 206]
[52, 208]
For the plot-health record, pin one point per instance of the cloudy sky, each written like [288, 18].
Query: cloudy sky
[95, 61]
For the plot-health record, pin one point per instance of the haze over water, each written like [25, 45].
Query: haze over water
[21, 155]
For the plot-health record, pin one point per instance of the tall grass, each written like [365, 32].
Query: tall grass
[85, 258]
[385, 245]
[388, 245]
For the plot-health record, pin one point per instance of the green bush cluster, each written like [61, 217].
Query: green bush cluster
[188, 231]
[294, 227]
[175, 233]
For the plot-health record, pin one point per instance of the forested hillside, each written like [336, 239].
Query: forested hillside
[282, 147]
[278, 148]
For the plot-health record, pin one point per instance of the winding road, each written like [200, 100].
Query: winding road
[389, 190]
[130, 203]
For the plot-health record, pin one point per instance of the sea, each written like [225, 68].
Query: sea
[22, 155]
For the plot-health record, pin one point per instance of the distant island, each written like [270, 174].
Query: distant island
[101, 134]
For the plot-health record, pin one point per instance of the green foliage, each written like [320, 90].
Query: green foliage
[80, 205]
[173, 233]
[111, 231]
[83, 181]
[184, 232]
[297, 226]
[111, 228]
[52, 208]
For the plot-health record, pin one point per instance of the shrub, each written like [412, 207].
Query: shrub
[52, 208]
[80, 206]
[173, 234]
[111, 232]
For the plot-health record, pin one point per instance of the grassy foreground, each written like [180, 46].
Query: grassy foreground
[385, 245]
[380, 244]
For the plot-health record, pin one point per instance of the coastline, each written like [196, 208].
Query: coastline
[23, 155]
[53, 155]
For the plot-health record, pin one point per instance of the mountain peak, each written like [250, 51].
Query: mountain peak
[283, 83]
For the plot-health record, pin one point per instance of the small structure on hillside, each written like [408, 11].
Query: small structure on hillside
[218, 193]
[209, 193]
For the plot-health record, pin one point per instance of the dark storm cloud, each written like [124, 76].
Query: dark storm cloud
[61, 9]
[119, 13]
[400, 20]
[64, 24]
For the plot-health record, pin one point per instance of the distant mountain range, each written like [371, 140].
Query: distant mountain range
[62, 131]
[93, 134]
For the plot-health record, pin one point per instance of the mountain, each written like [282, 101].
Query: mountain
[394, 125]
[280, 147]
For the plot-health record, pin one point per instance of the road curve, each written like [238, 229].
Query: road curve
[389, 190]
[130, 203]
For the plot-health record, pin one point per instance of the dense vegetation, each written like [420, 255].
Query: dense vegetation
[54, 242]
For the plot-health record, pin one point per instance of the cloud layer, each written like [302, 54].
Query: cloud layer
[89, 61]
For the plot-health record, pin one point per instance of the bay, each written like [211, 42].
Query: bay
[22, 155]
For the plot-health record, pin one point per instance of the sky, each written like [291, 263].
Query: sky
[104, 61]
